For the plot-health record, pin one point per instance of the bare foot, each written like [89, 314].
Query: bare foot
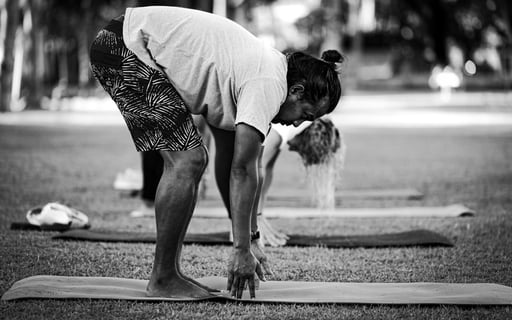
[177, 288]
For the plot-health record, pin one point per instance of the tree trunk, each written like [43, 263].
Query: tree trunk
[63, 63]
[439, 30]
[17, 70]
[83, 45]
[23, 69]
[333, 29]
[36, 55]
[356, 51]
[12, 7]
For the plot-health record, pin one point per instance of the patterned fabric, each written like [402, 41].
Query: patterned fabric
[156, 116]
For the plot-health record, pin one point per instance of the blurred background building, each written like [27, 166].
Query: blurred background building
[389, 44]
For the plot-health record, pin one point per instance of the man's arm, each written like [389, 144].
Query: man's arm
[243, 191]
[244, 183]
[255, 205]
[236, 171]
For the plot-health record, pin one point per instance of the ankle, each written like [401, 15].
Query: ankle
[163, 279]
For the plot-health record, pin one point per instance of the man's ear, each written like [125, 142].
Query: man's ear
[297, 89]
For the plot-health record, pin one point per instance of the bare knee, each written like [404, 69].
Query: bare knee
[186, 164]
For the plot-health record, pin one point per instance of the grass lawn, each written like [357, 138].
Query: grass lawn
[77, 165]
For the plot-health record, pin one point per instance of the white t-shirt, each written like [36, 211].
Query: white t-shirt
[220, 69]
[287, 133]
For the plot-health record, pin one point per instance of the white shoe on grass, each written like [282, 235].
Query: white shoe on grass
[146, 209]
[130, 179]
[56, 213]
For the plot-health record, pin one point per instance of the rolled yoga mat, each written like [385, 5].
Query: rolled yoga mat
[406, 193]
[297, 198]
[30, 227]
[59, 287]
[292, 195]
[455, 210]
[399, 239]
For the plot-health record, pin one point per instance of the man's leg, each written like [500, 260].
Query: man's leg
[175, 201]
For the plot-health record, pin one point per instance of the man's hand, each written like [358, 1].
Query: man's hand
[257, 251]
[242, 268]
[270, 236]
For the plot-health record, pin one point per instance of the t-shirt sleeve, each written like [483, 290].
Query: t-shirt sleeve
[258, 103]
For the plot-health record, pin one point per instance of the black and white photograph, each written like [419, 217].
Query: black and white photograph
[255, 159]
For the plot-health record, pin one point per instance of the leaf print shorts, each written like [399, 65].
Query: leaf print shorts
[156, 116]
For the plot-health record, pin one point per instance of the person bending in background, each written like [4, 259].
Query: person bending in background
[163, 64]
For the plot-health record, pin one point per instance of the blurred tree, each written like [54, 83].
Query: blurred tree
[434, 16]
[419, 33]
[329, 25]
[241, 11]
[58, 42]
[36, 54]
[11, 25]
[325, 26]
[313, 25]
[430, 27]
[83, 37]
[356, 51]
[502, 10]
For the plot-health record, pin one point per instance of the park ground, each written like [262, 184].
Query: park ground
[467, 162]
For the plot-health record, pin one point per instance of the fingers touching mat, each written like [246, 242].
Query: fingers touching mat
[408, 238]
[58, 287]
[456, 210]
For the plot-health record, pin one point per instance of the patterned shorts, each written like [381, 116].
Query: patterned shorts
[156, 116]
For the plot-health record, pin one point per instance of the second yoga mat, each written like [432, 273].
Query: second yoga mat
[399, 239]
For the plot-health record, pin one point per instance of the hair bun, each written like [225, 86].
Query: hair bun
[332, 56]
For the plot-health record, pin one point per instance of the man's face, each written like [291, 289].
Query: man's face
[296, 110]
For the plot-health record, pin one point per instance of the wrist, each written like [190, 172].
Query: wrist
[255, 235]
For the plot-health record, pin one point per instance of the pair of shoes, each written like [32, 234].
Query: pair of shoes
[145, 210]
[55, 213]
[129, 179]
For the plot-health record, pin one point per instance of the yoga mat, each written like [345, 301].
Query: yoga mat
[31, 227]
[399, 239]
[59, 287]
[299, 198]
[289, 195]
[456, 210]
[406, 193]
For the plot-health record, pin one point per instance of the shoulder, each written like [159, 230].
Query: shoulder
[267, 71]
